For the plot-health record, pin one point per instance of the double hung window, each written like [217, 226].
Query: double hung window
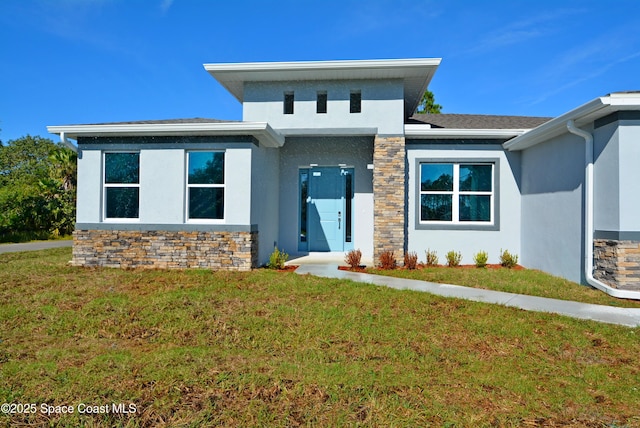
[121, 185]
[457, 193]
[205, 185]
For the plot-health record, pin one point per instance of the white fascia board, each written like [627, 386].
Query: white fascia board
[328, 132]
[261, 130]
[422, 131]
[232, 76]
[586, 113]
[322, 65]
[555, 126]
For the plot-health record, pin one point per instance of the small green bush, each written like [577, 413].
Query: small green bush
[432, 258]
[277, 259]
[387, 260]
[507, 259]
[481, 259]
[453, 258]
[410, 260]
[353, 258]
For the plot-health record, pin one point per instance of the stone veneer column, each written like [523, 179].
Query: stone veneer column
[389, 158]
[617, 263]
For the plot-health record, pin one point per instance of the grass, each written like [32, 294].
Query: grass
[527, 281]
[265, 348]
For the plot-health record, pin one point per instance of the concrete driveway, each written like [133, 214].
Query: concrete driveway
[34, 246]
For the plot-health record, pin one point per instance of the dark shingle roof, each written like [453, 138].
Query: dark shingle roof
[166, 121]
[477, 121]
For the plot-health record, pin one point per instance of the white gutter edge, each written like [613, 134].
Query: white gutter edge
[321, 65]
[425, 131]
[67, 143]
[588, 234]
[263, 130]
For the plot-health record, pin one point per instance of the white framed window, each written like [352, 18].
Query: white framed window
[205, 186]
[457, 193]
[121, 185]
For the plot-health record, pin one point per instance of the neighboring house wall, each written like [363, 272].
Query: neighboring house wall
[382, 105]
[300, 152]
[504, 234]
[552, 207]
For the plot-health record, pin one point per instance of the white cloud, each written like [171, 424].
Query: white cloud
[165, 5]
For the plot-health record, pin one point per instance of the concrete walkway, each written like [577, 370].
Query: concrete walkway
[607, 314]
[34, 246]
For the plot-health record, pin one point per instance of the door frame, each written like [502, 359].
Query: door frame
[304, 199]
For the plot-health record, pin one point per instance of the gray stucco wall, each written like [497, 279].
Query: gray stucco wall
[162, 180]
[552, 207]
[629, 175]
[354, 152]
[616, 177]
[606, 176]
[382, 105]
[467, 240]
[265, 173]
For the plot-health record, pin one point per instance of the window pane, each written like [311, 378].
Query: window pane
[435, 207]
[304, 193]
[355, 102]
[348, 210]
[475, 208]
[475, 178]
[321, 106]
[436, 176]
[122, 168]
[122, 202]
[206, 168]
[288, 103]
[206, 202]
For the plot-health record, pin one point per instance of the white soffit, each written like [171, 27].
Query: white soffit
[260, 130]
[416, 73]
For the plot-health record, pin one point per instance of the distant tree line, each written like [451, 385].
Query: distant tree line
[37, 189]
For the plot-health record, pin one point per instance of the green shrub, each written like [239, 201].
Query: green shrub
[387, 260]
[481, 259]
[277, 259]
[353, 258]
[410, 260]
[432, 258]
[507, 259]
[453, 258]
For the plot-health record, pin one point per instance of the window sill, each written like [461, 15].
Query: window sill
[457, 226]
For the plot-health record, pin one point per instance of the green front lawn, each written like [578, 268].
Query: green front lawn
[265, 348]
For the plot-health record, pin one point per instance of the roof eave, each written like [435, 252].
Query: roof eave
[416, 131]
[261, 130]
[232, 76]
[586, 113]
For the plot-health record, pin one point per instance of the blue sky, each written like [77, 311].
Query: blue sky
[86, 61]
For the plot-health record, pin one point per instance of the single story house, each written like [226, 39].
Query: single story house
[329, 157]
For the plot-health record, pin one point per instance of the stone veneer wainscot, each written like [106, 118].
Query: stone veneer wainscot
[389, 224]
[220, 250]
[617, 263]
